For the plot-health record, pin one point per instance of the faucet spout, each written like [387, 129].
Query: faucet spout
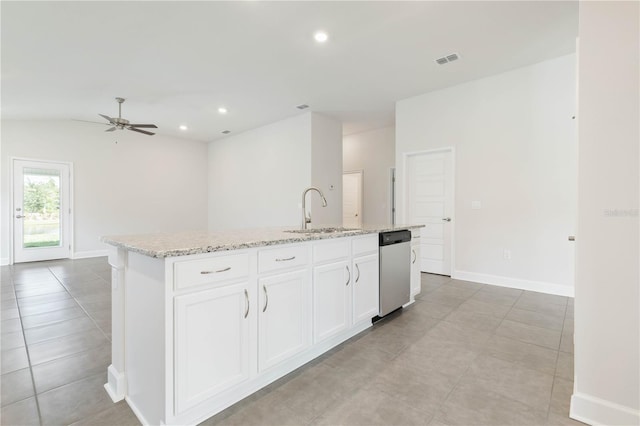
[307, 218]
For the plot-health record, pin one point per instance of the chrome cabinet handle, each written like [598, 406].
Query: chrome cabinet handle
[357, 270]
[266, 298]
[415, 256]
[285, 259]
[246, 299]
[216, 272]
[349, 272]
[446, 219]
[19, 216]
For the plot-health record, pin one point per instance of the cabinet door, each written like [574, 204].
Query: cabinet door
[331, 299]
[212, 342]
[366, 287]
[415, 270]
[284, 318]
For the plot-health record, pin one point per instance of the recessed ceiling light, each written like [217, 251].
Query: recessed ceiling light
[183, 127]
[321, 36]
[222, 110]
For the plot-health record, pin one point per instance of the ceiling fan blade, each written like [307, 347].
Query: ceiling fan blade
[144, 126]
[92, 122]
[140, 131]
[106, 117]
[111, 129]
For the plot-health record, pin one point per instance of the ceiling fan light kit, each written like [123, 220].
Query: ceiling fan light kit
[121, 123]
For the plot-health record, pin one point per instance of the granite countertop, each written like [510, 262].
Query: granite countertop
[195, 242]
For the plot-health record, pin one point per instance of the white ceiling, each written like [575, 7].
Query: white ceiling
[177, 62]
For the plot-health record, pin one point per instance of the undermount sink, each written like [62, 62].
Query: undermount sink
[322, 230]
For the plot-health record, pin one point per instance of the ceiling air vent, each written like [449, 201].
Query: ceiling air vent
[226, 132]
[303, 106]
[449, 58]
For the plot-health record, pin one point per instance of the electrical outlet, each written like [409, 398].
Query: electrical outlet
[476, 205]
[507, 254]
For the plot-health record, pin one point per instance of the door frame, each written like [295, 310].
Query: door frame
[361, 198]
[393, 196]
[12, 203]
[405, 194]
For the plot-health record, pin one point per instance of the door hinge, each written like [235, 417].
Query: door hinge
[69, 211]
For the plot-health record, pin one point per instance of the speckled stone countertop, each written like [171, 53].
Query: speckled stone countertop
[196, 242]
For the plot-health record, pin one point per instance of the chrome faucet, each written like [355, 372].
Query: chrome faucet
[307, 218]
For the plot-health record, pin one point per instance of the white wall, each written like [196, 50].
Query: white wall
[142, 184]
[326, 169]
[607, 318]
[373, 152]
[515, 148]
[256, 178]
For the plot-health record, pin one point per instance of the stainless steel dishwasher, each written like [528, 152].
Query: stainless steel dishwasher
[395, 270]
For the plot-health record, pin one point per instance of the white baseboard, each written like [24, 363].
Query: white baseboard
[539, 286]
[595, 411]
[89, 253]
[4, 261]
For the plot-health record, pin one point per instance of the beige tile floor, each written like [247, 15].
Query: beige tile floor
[463, 354]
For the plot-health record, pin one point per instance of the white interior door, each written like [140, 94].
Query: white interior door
[430, 202]
[352, 199]
[41, 210]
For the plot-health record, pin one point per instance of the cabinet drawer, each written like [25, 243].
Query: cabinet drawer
[282, 258]
[196, 272]
[330, 250]
[365, 245]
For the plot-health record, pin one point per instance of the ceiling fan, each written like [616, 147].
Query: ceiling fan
[121, 123]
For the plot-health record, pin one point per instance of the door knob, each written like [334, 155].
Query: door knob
[19, 216]
[572, 238]
[446, 219]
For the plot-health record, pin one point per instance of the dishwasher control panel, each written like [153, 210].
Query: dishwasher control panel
[394, 237]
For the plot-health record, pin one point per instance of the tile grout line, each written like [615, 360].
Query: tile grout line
[457, 383]
[26, 348]
[484, 348]
[81, 307]
[520, 322]
[556, 362]
[555, 370]
[33, 384]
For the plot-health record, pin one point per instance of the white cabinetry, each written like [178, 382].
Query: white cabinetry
[415, 266]
[366, 288]
[204, 331]
[212, 340]
[345, 284]
[284, 326]
[331, 299]
[284, 313]
[366, 281]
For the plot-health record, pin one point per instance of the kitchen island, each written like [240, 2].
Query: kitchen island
[201, 320]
